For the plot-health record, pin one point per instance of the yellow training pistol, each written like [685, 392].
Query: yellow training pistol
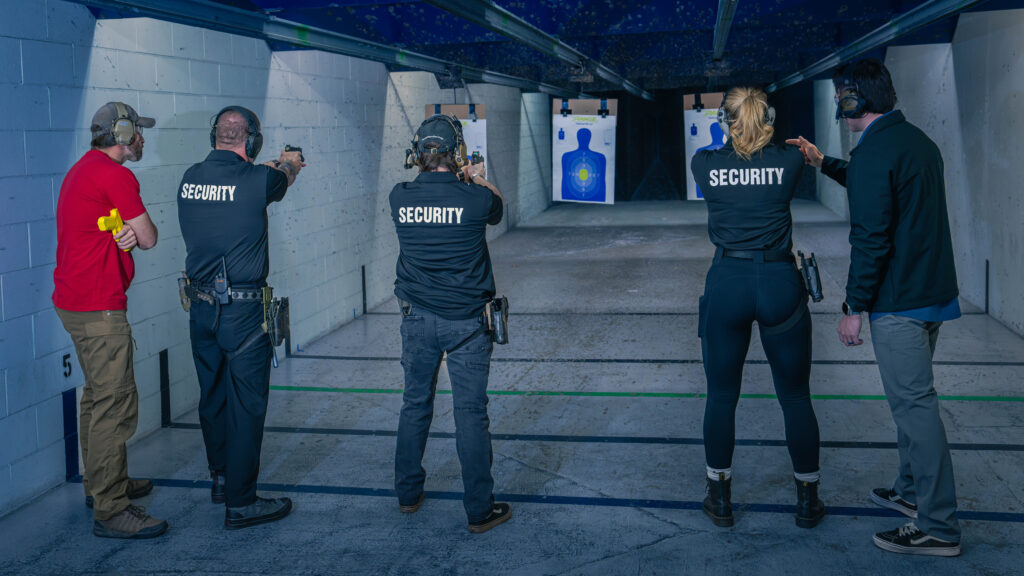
[112, 224]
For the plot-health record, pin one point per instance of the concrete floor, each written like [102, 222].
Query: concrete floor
[596, 410]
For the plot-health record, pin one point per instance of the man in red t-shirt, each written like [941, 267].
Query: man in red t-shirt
[94, 268]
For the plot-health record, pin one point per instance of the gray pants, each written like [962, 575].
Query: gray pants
[904, 349]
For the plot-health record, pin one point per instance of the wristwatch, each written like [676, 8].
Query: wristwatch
[847, 310]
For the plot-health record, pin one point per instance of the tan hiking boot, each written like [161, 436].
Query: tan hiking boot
[132, 522]
[136, 489]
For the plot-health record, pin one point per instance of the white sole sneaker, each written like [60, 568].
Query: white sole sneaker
[893, 504]
[946, 551]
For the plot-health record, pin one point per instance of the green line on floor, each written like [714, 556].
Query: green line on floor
[692, 395]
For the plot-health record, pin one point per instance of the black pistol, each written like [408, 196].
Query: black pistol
[812, 278]
[290, 148]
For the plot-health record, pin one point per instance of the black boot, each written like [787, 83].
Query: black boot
[809, 509]
[718, 501]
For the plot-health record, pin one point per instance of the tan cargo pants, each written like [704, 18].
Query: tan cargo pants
[109, 410]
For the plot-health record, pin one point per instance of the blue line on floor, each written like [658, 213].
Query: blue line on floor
[694, 313]
[613, 439]
[1016, 518]
[644, 361]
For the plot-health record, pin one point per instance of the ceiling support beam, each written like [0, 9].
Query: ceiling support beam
[232, 20]
[726, 10]
[485, 13]
[923, 15]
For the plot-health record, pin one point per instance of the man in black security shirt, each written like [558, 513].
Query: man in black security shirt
[222, 209]
[443, 284]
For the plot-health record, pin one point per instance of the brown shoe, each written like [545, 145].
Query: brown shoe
[132, 522]
[136, 489]
[412, 508]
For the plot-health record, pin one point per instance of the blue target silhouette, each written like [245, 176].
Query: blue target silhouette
[583, 171]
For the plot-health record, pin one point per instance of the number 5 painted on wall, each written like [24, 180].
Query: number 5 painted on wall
[67, 365]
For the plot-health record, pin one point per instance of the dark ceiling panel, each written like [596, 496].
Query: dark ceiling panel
[657, 44]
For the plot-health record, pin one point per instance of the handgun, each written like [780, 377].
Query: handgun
[112, 224]
[812, 277]
[290, 148]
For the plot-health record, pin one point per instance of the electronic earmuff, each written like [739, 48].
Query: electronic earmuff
[849, 103]
[254, 138]
[458, 148]
[724, 120]
[123, 127]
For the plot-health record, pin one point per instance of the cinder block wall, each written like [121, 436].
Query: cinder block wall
[353, 120]
[989, 83]
[534, 157]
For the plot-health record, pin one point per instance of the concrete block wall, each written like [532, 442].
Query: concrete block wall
[989, 96]
[534, 157]
[967, 96]
[321, 233]
[353, 120]
[57, 66]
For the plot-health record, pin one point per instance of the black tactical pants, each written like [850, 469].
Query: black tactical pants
[234, 390]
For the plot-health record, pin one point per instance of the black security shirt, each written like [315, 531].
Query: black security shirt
[443, 265]
[222, 209]
[748, 200]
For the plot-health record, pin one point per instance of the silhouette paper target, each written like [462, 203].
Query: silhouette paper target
[583, 171]
[704, 133]
[584, 164]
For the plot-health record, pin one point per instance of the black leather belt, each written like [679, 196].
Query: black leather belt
[767, 255]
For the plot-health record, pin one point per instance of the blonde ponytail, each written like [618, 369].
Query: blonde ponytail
[748, 130]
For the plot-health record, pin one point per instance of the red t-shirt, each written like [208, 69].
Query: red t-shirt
[92, 272]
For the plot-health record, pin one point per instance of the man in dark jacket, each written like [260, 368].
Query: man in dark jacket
[903, 275]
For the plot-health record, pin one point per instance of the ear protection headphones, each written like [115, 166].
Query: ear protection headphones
[254, 139]
[123, 128]
[849, 102]
[724, 120]
[458, 148]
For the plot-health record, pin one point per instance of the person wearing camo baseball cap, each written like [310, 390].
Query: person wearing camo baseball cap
[118, 124]
[94, 269]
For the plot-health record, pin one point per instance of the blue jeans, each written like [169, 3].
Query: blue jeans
[425, 337]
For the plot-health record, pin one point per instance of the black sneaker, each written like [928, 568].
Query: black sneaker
[412, 508]
[217, 488]
[887, 498]
[261, 511]
[136, 489]
[907, 539]
[500, 512]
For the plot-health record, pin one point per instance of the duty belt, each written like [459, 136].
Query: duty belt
[766, 255]
[207, 294]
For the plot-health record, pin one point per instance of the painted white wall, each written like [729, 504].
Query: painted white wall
[988, 71]
[833, 139]
[352, 119]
